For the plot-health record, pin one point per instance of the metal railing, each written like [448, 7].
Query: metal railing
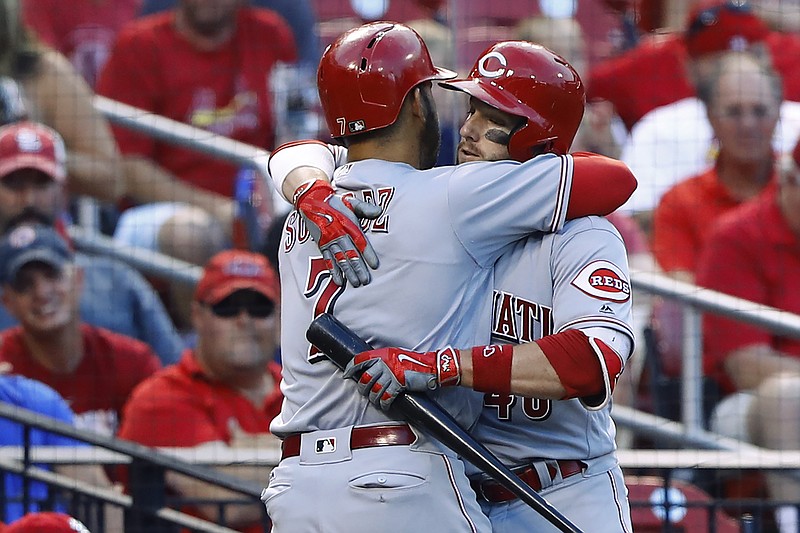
[696, 300]
[181, 134]
[146, 506]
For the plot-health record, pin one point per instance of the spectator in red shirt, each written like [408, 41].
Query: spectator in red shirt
[660, 70]
[93, 369]
[225, 392]
[207, 64]
[742, 100]
[754, 253]
[82, 30]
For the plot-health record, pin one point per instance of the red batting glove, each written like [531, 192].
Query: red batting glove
[334, 226]
[385, 373]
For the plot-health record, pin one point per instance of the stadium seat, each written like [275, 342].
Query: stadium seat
[683, 506]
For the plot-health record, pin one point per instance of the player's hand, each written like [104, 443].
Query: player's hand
[333, 223]
[385, 373]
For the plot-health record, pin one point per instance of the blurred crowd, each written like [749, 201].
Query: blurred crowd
[701, 98]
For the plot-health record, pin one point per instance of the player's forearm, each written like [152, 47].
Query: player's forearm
[298, 162]
[565, 365]
[532, 375]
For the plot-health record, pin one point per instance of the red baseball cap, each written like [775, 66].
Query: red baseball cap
[32, 145]
[719, 26]
[233, 270]
[46, 523]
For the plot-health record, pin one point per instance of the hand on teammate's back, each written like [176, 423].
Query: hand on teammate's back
[333, 223]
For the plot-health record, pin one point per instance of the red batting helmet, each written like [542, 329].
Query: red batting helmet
[365, 75]
[530, 81]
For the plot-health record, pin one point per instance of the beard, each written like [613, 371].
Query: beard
[209, 23]
[29, 215]
[431, 136]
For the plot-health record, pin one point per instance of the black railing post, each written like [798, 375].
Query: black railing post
[148, 490]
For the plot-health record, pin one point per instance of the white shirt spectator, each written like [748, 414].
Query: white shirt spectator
[675, 142]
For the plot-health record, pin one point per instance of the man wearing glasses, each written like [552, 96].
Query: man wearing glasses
[224, 392]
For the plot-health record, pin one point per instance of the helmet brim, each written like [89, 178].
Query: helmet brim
[495, 98]
[444, 74]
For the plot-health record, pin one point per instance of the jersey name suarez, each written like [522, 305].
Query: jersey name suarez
[296, 231]
[319, 285]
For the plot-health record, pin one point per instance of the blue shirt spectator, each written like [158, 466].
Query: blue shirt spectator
[22, 392]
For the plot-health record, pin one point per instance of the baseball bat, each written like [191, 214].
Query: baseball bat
[340, 345]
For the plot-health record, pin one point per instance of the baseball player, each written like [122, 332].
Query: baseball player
[375, 89]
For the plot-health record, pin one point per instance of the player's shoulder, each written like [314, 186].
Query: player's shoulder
[587, 224]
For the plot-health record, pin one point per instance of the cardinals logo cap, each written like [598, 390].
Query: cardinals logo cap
[233, 270]
[32, 145]
[719, 26]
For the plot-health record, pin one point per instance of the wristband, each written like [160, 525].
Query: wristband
[307, 186]
[491, 368]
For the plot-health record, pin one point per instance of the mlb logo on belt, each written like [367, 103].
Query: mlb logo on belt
[326, 445]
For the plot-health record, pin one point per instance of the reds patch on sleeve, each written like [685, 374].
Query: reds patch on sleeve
[603, 280]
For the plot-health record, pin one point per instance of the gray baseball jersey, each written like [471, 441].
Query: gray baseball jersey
[575, 278]
[438, 239]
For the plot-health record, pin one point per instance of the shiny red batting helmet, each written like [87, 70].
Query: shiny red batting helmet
[365, 75]
[530, 81]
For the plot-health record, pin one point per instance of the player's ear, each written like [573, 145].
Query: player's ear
[419, 100]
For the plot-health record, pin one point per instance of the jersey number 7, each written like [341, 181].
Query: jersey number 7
[320, 286]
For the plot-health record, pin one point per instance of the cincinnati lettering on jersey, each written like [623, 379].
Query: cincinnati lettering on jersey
[297, 233]
[603, 280]
[518, 320]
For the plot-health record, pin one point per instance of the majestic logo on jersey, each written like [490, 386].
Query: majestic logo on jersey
[483, 63]
[603, 280]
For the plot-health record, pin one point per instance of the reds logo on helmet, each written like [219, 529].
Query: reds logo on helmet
[603, 280]
[483, 68]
